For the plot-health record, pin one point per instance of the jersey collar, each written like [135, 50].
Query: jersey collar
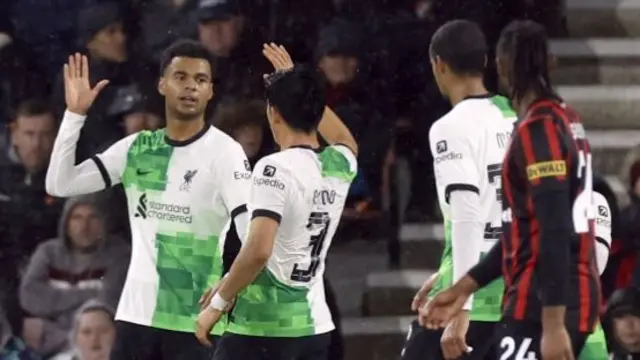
[317, 150]
[194, 138]
[482, 96]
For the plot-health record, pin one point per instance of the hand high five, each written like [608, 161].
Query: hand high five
[278, 56]
[78, 93]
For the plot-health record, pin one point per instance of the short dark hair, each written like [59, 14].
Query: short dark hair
[184, 48]
[525, 42]
[461, 45]
[233, 115]
[299, 96]
[33, 107]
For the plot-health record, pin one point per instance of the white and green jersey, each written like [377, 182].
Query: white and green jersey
[468, 145]
[305, 191]
[181, 197]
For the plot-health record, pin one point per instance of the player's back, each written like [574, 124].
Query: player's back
[550, 130]
[469, 144]
[287, 299]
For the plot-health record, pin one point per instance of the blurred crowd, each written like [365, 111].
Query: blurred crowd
[63, 263]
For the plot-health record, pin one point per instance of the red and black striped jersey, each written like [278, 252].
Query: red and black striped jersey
[548, 256]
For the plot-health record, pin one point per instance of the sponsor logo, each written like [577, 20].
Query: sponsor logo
[324, 197]
[187, 180]
[269, 171]
[602, 211]
[163, 211]
[143, 172]
[503, 139]
[546, 169]
[578, 131]
[603, 222]
[239, 175]
[274, 183]
[247, 165]
[441, 146]
[449, 156]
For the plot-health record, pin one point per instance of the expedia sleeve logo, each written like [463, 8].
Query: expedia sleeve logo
[546, 169]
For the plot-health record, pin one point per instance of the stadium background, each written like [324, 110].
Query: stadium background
[374, 56]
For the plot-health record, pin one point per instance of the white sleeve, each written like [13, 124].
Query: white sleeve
[270, 184]
[457, 173]
[453, 160]
[351, 158]
[235, 179]
[467, 232]
[602, 230]
[65, 179]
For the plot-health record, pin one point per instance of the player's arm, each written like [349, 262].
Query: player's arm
[65, 178]
[541, 156]
[602, 230]
[335, 132]
[457, 172]
[267, 200]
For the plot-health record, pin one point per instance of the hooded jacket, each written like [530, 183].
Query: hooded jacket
[59, 280]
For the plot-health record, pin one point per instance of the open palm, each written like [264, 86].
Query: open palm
[278, 56]
[78, 93]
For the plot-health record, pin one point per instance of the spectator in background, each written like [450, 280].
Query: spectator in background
[630, 230]
[93, 333]
[245, 122]
[101, 33]
[28, 215]
[224, 31]
[11, 346]
[82, 263]
[340, 56]
[622, 320]
[136, 110]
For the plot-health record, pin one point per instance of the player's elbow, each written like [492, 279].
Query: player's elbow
[259, 248]
[52, 186]
[602, 254]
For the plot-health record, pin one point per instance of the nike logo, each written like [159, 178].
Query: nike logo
[142, 172]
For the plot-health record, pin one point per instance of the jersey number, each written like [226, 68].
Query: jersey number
[494, 173]
[318, 221]
[508, 349]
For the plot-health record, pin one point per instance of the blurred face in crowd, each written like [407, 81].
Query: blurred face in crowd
[109, 44]
[220, 37]
[95, 336]
[138, 121]
[627, 331]
[187, 87]
[33, 138]
[338, 69]
[84, 227]
[636, 187]
[250, 137]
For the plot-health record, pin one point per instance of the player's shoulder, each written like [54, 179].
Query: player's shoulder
[602, 206]
[338, 161]
[276, 164]
[222, 141]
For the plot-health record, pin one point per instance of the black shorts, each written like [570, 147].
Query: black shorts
[521, 340]
[138, 342]
[242, 347]
[424, 344]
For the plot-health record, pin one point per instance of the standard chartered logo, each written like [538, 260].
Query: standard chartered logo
[163, 211]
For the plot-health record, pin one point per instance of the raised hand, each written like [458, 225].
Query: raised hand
[78, 93]
[278, 56]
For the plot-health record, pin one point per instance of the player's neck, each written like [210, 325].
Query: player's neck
[181, 130]
[299, 139]
[522, 105]
[469, 87]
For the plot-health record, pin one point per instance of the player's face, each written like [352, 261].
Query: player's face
[187, 87]
[440, 69]
[504, 70]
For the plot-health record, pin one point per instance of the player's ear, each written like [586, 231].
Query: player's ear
[212, 91]
[162, 86]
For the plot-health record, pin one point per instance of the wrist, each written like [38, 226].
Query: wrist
[218, 303]
[553, 317]
[467, 285]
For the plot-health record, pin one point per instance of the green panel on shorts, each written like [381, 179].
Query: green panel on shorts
[270, 308]
[335, 164]
[487, 302]
[595, 347]
[186, 266]
[148, 162]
